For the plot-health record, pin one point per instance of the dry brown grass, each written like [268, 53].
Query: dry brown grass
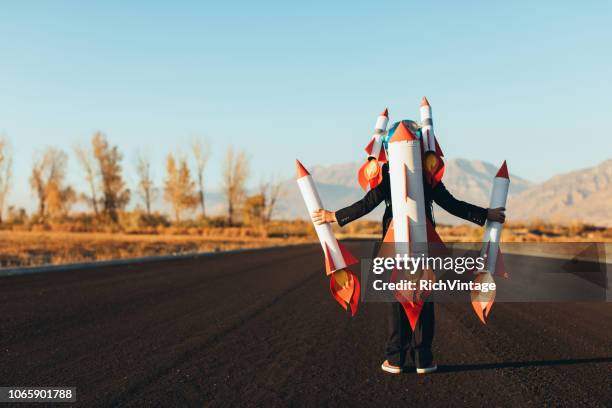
[29, 248]
[40, 246]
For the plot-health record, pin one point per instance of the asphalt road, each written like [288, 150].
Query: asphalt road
[260, 328]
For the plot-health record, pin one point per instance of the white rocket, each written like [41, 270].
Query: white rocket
[370, 174]
[344, 285]
[410, 229]
[433, 165]
[407, 196]
[427, 130]
[375, 147]
[494, 263]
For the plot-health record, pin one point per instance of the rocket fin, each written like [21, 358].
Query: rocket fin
[356, 295]
[438, 148]
[369, 147]
[349, 259]
[382, 157]
[432, 235]
[330, 267]
[413, 311]
[390, 235]
[500, 267]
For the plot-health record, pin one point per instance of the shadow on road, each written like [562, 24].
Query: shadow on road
[520, 364]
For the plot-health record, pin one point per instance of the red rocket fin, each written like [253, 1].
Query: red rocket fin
[349, 259]
[500, 267]
[413, 311]
[356, 295]
[390, 235]
[369, 147]
[330, 267]
[438, 148]
[432, 234]
[382, 157]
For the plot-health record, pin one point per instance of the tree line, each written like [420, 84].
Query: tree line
[107, 194]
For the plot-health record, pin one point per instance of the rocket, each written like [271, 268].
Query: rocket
[343, 283]
[410, 229]
[433, 165]
[370, 174]
[494, 262]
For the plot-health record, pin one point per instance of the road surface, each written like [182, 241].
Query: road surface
[260, 328]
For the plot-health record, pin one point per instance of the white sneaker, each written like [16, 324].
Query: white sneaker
[390, 368]
[427, 370]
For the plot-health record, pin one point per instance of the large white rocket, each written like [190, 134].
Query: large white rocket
[494, 263]
[344, 285]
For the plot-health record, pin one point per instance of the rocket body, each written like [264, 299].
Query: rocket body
[492, 235]
[375, 147]
[407, 196]
[494, 264]
[329, 243]
[427, 129]
[370, 173]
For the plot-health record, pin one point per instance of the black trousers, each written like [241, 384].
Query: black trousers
[403, 341]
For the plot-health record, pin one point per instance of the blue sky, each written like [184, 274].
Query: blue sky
[529, 82]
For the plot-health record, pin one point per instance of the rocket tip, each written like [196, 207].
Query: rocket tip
[385, 113]
[424, 102]
[402, 133]
[503, 171]
[301, 170]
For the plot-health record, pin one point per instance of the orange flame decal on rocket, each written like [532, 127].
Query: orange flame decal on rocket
[482, 302]
[433, 166]
[343, 284]
[370, 174]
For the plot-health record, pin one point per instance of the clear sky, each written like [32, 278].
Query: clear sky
[530, 82]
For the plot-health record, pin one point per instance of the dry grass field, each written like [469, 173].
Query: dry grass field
[20, 248]
[30, 248]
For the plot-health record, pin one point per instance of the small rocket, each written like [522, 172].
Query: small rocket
[370, 174]
[410, 229]
[494, 262]
[433, 165]
[343, 283]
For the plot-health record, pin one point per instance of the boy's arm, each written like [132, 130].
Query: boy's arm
[363, 206]
[458, 208]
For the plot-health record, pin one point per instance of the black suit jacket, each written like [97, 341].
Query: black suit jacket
[439, 194]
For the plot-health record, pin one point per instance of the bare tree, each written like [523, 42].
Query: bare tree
[85, 157]
[47, 180]
[201, 152]
[179, 188]
[146, 189]
[271, 191]
[115, 195]
[235, 173]
[6, 168]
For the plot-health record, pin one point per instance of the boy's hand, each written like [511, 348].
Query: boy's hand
[323, 217]
[497, 214]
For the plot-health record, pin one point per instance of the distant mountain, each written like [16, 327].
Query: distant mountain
[467, 180]
[582, 195]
